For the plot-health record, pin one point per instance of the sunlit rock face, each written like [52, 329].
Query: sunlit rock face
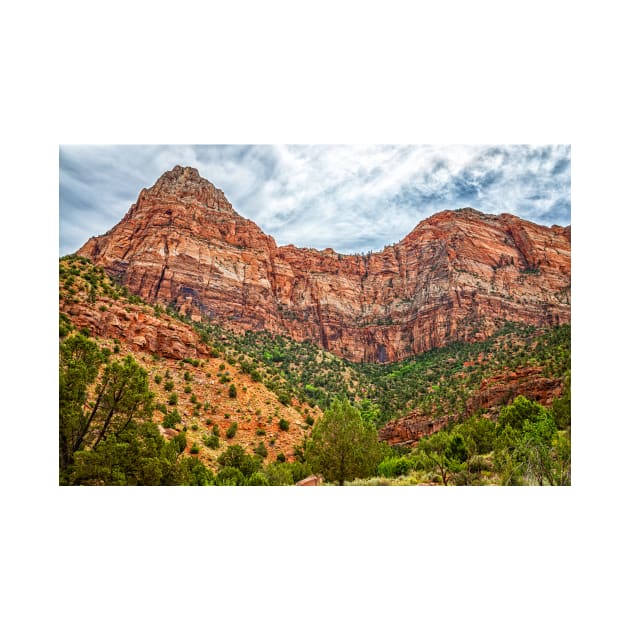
[457, 276]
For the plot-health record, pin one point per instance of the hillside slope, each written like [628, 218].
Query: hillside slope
[181, 368]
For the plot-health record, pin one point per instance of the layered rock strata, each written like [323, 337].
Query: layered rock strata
[457, 276]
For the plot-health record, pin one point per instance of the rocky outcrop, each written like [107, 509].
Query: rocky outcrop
[139, 330]
[494, 392]
[409, 429]
[456, 276]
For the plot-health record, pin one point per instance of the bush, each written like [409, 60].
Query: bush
[171, 419]
[229, 476]
[187, 376]
[231, 431]
[260, 432]
[261, 450]
[284, 398]
[281, 458]
[232, 391]
[180, 442]
[394, 467]
[157, 379]
[284, 425]
[257, 479]
[236, 457]
[172, 399]
[279, 474]
[194, 449]
[211, 441]
[187, 389]
[168, 386]
[215, 430]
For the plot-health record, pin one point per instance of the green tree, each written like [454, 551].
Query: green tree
[561, 407]
[520, 411]
[527, 449]
[79, 363]
[236, 457]
[343, 446]
[139, 455]
[447, 453]
[118, 398]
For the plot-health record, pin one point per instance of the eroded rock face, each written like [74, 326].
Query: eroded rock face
[141, 331]
[456, 276]
[494, 393]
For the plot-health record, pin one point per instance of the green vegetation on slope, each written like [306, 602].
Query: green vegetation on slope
[105, 439]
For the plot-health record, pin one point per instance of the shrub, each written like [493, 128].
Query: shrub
[194, 449]
[279, 474]
[171, 419]
[187, 376]
[157, 379]
[215, 430]
[281, 457]
[261, 450]
[172, 399]
[211, 441]
[284, 425]
[180, 442]
[231, 431]
[230, 476]
[232, 391]
[284, 398]
[257, 479]
[194, 400]
[236, 457]
[394, 467]
[187, 389]
[260, 432]
[168, 386]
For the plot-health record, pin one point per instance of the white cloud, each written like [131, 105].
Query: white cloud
[348, 197]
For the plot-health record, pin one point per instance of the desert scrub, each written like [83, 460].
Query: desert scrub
[211, 441]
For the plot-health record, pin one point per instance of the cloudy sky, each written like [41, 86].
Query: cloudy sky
[353, 198]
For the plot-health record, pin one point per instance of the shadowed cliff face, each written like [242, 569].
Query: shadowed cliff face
[456, 276]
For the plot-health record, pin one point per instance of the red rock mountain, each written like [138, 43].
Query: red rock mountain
[456, 276]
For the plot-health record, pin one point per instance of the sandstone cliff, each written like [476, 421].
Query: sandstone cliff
[456, 276]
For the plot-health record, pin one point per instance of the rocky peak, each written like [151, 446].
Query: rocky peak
[456, 277]
[184, 183]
